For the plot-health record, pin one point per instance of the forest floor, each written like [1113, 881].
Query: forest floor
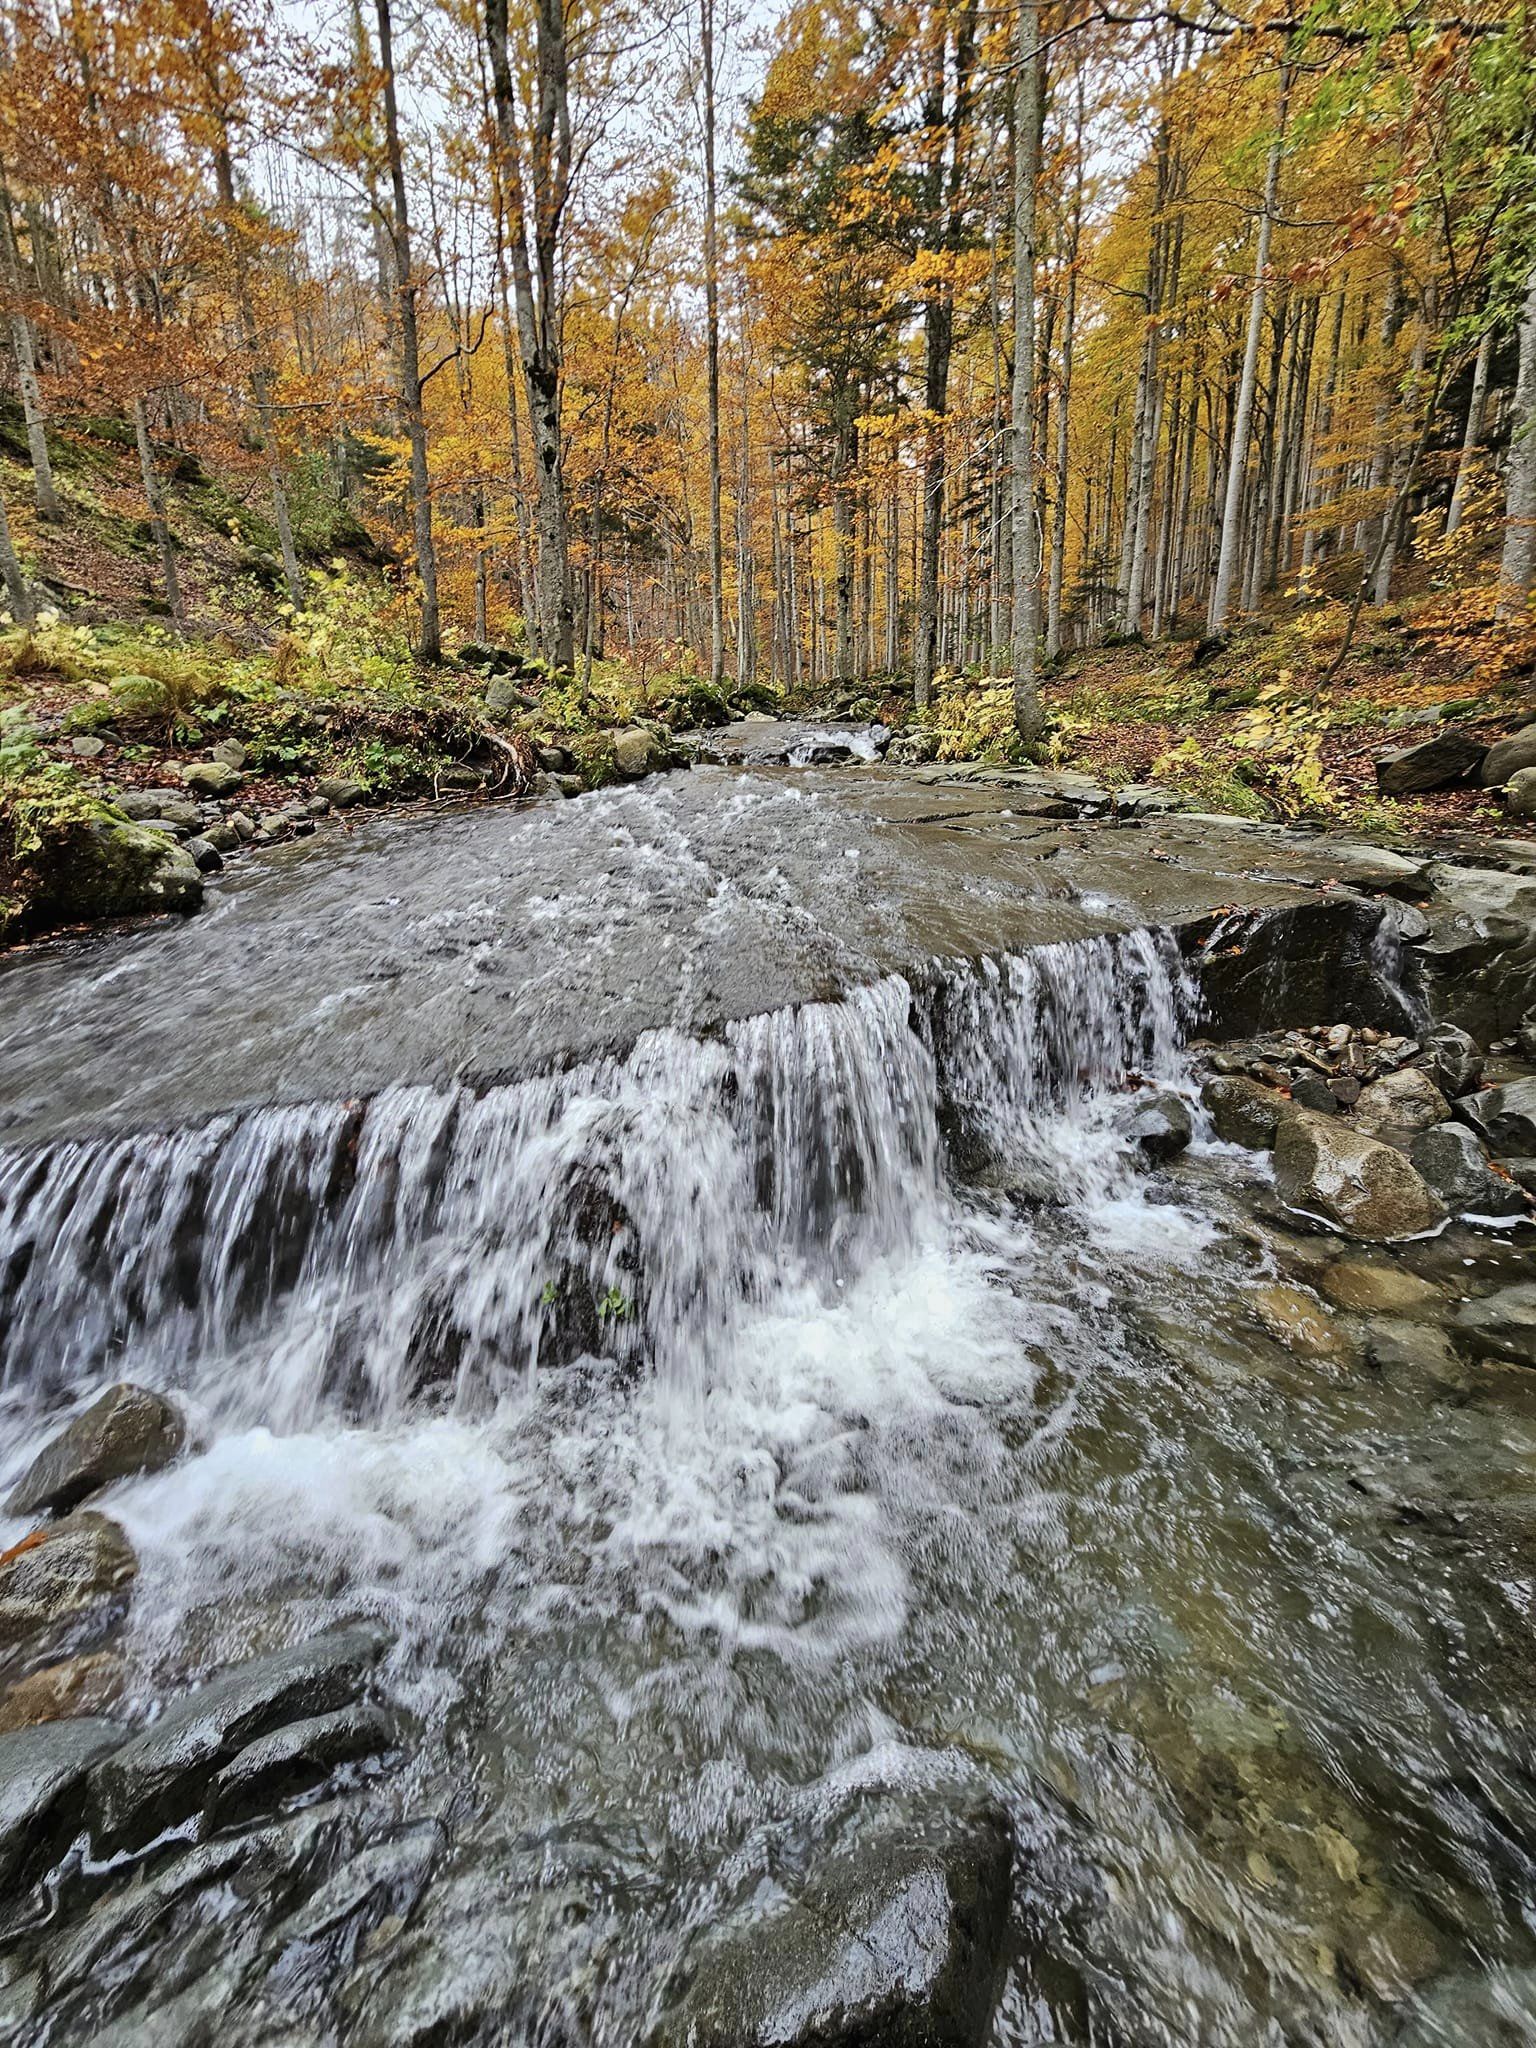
[101, 700]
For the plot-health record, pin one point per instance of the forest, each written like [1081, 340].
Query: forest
[767, 1023]
[905, 359]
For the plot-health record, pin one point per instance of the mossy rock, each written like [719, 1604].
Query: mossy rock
[102, 865]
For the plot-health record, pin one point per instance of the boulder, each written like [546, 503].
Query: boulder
[61, 1574]
[221, 836]
[503, 695]
[1373, 1289]
[1296, 1320]
[1275, 970]
[898, 1942]
[1454, 1060]
[1244, 1112]
[211, 778]
[1162, 1127]
[1452, 1163]
[1443, 761]
[1507, 757]
[109, 868]
[62, 1692]
[1367, 1189]
[1477, 963]
[1311, 1091]
[1505, 1118]
[459, 775]
[295, 1759]
[163, 1775]
[124, 1431]
[155, 803]
[87, 746]
[341, 791]
[1407, 1100]
[44, 1774]
[1501, 1325]
[635, 752]
[1520, 794]
[230, 752]
[207, 856]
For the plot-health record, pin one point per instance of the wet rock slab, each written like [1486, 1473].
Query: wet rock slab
[124, 1431]
[898, 1942]
[162, 1776]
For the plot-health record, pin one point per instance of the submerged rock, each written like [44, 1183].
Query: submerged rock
[897, 1944]
[1244, 1112]
[1363, 1187]
[1162, 1127]
[62, 1574]
[162, 1776]
[126, 1430]
[1452, 1163]
[1501, 1325]
[1297, 1321]
[44, 1773]
[1375, 1289]
[1449, 758]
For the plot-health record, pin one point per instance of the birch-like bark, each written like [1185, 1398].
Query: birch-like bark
[24, 344]
[1471, 434]
[1029, 119]
[1237, 453]
[1517, 569]
[154, 498]
[429, 640]
[712, 345]
[18, 596]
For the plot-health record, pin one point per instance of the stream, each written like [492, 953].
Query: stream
[675, 1260]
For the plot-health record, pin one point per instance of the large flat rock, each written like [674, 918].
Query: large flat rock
[494, 942]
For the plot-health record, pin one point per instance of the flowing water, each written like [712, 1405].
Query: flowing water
[764, 1411]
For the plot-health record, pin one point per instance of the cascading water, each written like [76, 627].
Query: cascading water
[744, 1432]
[442, 1244]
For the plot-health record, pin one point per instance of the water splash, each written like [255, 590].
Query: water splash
[433, 1245]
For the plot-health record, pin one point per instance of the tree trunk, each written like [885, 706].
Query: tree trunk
[155, 500]
[1237, 454]
[260, 381]
[712, 325]
[429, 644]
[534, 284]
[1472, 434]
[16, 591]
[23, 342]
[1517, 570]
[1029, 121]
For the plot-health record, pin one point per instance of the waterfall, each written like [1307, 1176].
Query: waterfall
[438, 1246]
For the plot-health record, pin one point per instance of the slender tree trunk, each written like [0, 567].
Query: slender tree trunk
[1472, 433]
[17, 594]
[1064, 403]
[429, 643]
[1029, 121]
[1237, 455]
[712, 325]
[1320, 438]
[24, 344]
[535, 288]
[1517, 570]
[154, 498]
[260, 382]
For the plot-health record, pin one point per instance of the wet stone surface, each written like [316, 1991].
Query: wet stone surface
[877, 1522]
